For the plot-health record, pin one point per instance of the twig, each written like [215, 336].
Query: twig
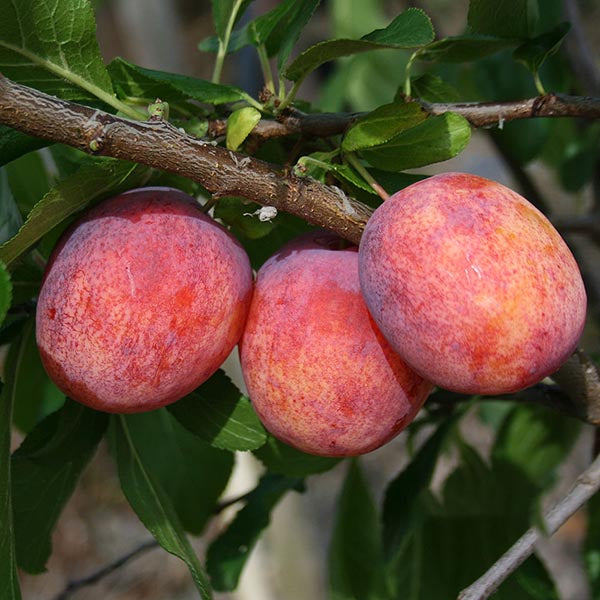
[102, 572]
[586, 485]
[96, 576]
[482, 114]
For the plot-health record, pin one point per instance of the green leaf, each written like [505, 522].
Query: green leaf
[45, 469]
[433, 88]
[13, 144]
[285, 460]
[503, 18]
[402, 495]
[151, 503]
[222, 10]
[28, 181]
[240, 125]
[482, 512]
[523, 140]
[51, 45]
[356, 567]
[35, 393]
[536, 440]
[9, 582]
[218, 413]
[91, 182]
[192, 473]
[381, 125]
[133, 81]
[434, 140]
[5, 292]
[533, 53]
[580, 158]
[284, 23]
[228, 554]
[410, 29]
[464, 48]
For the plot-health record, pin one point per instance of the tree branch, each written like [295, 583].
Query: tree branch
[158, 144]
[586, 485]
[486, 114]
[76, 584]
[483, 114]
[96, 576]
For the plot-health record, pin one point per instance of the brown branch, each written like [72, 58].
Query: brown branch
[158, 144]
[76, 584]
[487, 114]
[585, 487]
[483, 114]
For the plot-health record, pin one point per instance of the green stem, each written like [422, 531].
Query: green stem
[84, 84]
[407, 88]
[281, 91]
[291, 95]
[224, 43]
[353, 160]
[539, 86]
[266, 68]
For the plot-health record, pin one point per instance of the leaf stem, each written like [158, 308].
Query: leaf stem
[353, 160]
[291, 95]
[281, 90]
[266, 68]
[224, 43]
[539, 86]
[407, 87]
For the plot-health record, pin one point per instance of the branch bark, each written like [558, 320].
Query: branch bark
[158, 144]
[481, 114]
[585, 487]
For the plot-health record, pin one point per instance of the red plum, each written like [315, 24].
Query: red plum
[319, 373]
[471, 284]
[143, 299]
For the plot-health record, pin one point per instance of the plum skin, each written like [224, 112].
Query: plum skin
[142, 300]
[471, 284]
[320, 375]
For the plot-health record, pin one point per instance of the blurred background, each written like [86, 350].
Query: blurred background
[290, 562]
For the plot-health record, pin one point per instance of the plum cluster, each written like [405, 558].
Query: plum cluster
[459, 282]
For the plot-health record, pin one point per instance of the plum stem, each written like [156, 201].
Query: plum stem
[353, 160]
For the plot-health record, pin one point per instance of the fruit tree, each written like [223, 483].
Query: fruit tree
[309, 273]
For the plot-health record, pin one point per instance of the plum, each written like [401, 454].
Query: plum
[143, 299]
[471, 284]
[319, 373]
